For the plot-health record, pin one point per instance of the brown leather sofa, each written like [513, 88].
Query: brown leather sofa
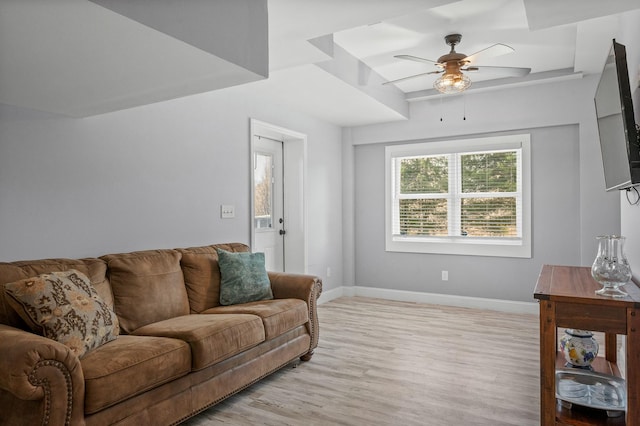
[178, 352]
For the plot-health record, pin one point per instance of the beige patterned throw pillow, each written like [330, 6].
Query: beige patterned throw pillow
[65, 307]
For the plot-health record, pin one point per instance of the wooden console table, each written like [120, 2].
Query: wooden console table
[567, 299]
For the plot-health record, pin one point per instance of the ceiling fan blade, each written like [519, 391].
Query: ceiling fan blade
[411, 76]
[503, 71]
[415, 58]
[490, 52]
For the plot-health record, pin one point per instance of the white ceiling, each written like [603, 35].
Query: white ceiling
[78, 58]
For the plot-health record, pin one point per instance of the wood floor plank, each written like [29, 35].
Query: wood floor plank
[382, 362]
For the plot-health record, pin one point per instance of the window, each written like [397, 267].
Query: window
[263, 190]
[467, 197]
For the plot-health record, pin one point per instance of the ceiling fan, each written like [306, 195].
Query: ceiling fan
[451, 65]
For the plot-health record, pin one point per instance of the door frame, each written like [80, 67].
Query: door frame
[294, 190]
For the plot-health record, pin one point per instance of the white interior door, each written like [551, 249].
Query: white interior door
[286, 150]
[268, 202]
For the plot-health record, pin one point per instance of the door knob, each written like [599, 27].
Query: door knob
[282, 232]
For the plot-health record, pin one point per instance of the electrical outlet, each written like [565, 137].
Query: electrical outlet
[328, 271]
[445, 275]
[227, 211]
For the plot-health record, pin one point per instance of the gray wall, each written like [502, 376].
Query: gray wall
[565, 159]
[556, 231]
[154, 177]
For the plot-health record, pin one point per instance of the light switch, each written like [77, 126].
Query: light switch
[227, 211]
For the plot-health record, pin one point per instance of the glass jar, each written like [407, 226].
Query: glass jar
[611, 268]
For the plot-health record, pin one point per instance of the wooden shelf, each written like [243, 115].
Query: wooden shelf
[582, 416]
[600, 365]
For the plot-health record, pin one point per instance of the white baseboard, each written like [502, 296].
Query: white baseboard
[334, 293]
[432, 298]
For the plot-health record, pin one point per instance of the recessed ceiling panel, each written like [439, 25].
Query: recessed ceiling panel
[482, 23]
[550, 13]
[293, 22]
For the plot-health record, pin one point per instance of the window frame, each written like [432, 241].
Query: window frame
[461, 245]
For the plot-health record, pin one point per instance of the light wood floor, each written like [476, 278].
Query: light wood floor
[381, 362]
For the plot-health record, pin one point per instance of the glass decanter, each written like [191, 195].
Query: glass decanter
[611, 268]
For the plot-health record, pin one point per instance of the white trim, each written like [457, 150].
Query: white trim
[511, 306]
[295, 181]
[335, 293]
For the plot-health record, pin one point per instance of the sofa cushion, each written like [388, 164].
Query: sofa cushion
[65, 307]
[212, 338]
[278, 315]
[131, 365]
[148, 287]
[202, 274]
[243, 278]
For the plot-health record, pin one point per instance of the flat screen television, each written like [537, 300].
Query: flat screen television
[619, 137]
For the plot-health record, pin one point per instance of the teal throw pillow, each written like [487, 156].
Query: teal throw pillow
[243, 278]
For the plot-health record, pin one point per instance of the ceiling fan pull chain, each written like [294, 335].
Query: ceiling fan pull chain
[464, 107]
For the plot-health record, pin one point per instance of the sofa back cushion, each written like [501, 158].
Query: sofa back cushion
[94, 269]
[202, 274]
[147, 287]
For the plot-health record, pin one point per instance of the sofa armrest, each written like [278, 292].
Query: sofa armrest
[295, 286]
[33, 367]
[305, 287]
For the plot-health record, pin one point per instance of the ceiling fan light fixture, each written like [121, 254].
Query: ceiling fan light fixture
[452, 80]
[450, 83]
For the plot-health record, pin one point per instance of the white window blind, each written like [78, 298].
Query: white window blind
[475, 194]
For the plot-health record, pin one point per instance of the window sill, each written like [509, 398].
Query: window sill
[460, 246]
